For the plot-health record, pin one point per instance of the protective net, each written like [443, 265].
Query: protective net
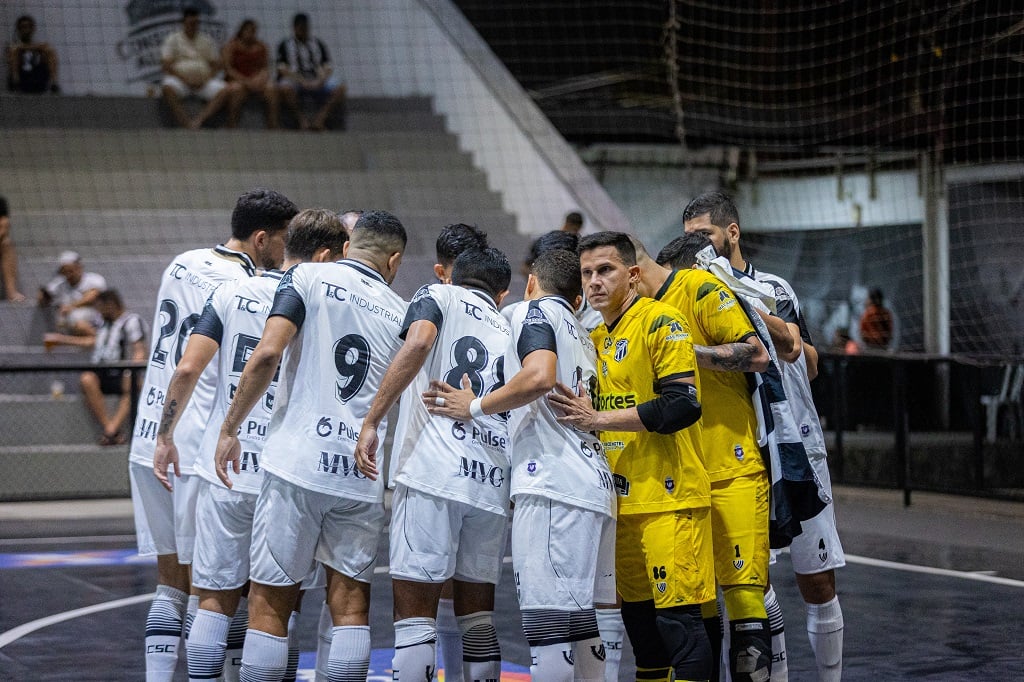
[855, 118]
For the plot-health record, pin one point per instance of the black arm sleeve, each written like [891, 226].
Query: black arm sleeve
[210, 324]
[288, 304]
[673, 410]
[537, 333]
[422, 307]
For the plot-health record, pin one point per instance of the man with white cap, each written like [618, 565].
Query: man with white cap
[74, 294]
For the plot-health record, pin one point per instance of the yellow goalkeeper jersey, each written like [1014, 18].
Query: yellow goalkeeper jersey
[729, 425]
[648, 345]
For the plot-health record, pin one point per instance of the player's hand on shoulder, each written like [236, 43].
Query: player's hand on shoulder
[443, 400]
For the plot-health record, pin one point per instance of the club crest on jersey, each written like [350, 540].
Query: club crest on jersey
[822, 552]
[670, 485]
[738, 451]
[535, 316]
[804, 429]
[621, 348]
[661, 587]
[531, 467]
[737, 564]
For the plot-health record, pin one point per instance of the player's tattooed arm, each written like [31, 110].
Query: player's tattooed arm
[198, 353]
[745, 355]
[169, 416]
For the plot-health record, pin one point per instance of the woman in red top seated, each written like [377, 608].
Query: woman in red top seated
[246, 66]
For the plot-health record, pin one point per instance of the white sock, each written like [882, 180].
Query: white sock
[825, 630]
[415, 659]
[293, 648]
[163, 633]
[780, 659]
[324, 633]
[552, 662]
[264, 657]
[207, 641]
[449, 640]
[588, 656]
[350, 653]
[236, 640]
[191, 608]
[609, 622]
[481, 655]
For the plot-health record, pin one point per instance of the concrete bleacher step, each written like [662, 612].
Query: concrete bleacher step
[54, 472]
[459, 189]
[31, 420]
[181, 150]
[135, 113]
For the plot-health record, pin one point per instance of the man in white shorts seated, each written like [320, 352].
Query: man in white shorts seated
[235, 314]
[342, 318]
[190, 62]
[563, 531]
[165, 522]
[449, 511]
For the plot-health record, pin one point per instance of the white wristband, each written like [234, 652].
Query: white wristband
[476, 408]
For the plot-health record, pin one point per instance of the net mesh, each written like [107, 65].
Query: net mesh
[854, 95]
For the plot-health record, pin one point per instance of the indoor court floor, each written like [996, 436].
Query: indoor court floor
[931, 592]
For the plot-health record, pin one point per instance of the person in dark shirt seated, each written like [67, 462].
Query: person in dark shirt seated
[31, 65]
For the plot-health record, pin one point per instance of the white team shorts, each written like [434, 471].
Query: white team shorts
[434, 539]
[293, 527]
[207, 92]
[223, 537]
[165, 523]
[563, 556]
[817, 549]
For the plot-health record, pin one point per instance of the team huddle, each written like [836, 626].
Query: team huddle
[646, 424]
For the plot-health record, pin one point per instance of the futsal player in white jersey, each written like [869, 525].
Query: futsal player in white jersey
[449, 511]
[234, 316]
[164, 522]
[817, 551]
[452, 240]
[333, 330]
[563, 530]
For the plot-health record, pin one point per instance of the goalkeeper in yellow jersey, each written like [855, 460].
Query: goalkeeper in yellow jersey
[646, 413]
[726, 346]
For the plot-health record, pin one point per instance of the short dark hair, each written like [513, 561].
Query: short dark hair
[261, 209]
[25, 17]
[718, 206]
[558, 272]
[550, 241]
[241, 26]
[189, 12]
[456, 238]
[574, 218]
[682, 252]
[300, 18]
[620, 240]
[314, 229]
[876, 296]
[110, 296]
[379, 231]
[3, 208]
[486, 269]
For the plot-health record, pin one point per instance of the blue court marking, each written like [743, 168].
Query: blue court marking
[98, 557]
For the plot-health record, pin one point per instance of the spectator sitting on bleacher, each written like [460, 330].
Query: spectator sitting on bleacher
[31, 66]
[74, 293]
[247, 66]
[8, 258]
[304, 68]
[121, 337]
[190, 62]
